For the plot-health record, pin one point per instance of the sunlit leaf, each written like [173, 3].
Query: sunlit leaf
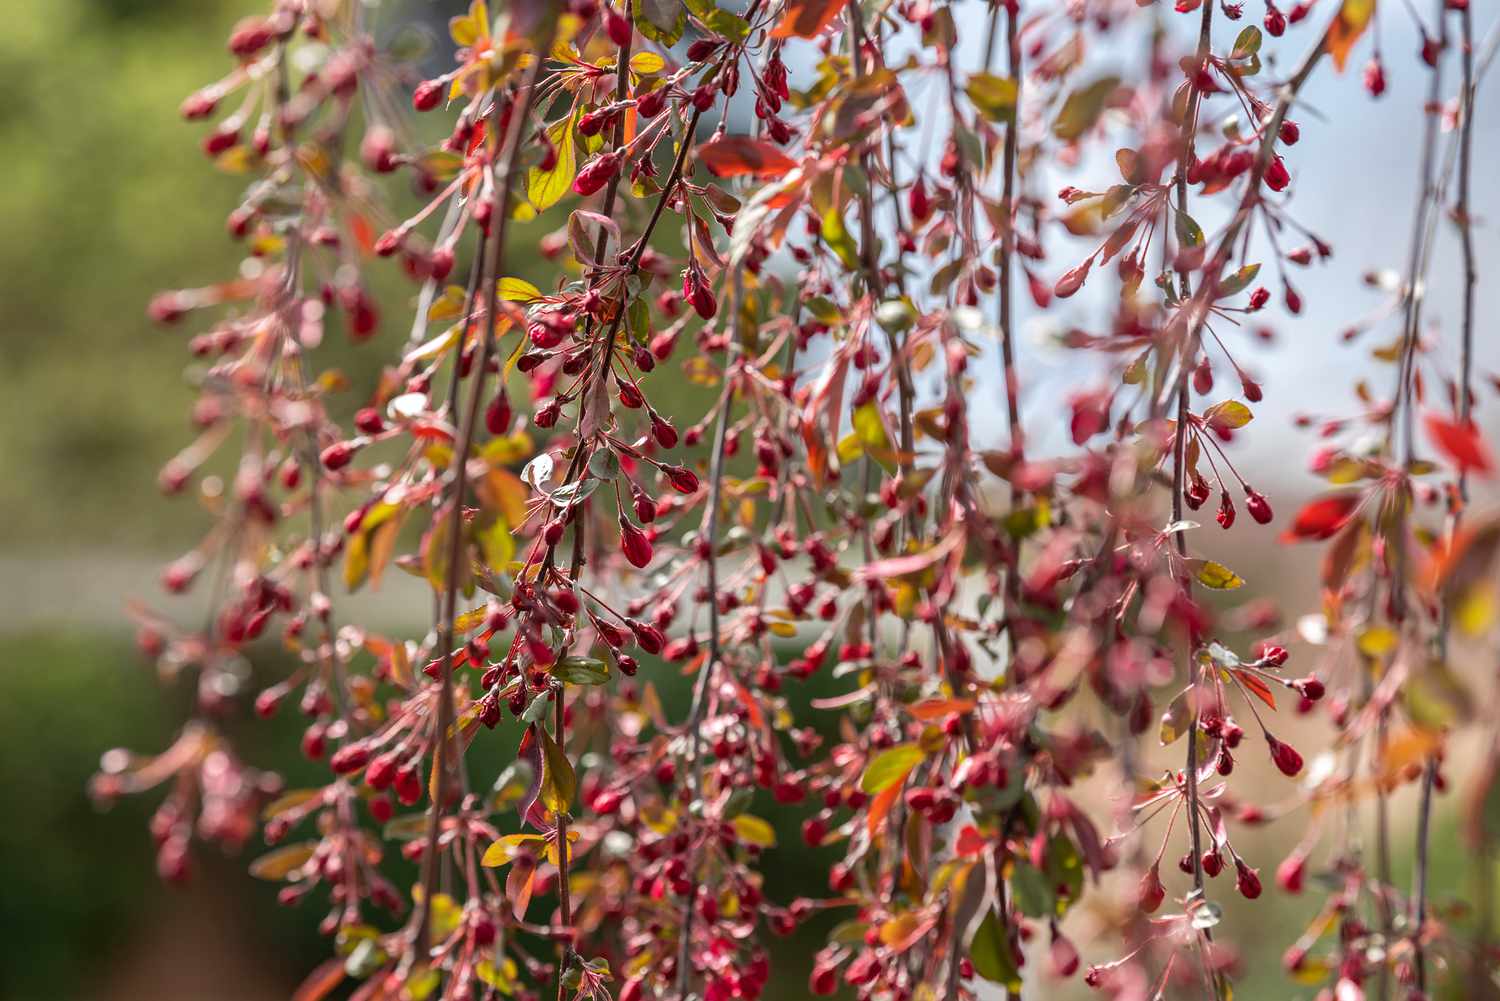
[738, 156]
[1354, 17]
[754, 831]
[890, 767]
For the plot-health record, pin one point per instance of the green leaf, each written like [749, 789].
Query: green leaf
[1032, 895]
[559, 783]
[890, 767]
[1189, 233]
[1239, 281]
[282, 862]
[994, 96]
[441, 164]
[576, 670]
[1064, 870]
[638, 320]
[1246, 43]
[990, 953]
[1083, 107]
[660, 20]
[838, 239]
[1176, 720]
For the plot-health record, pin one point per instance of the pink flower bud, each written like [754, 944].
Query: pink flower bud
[1290, 873]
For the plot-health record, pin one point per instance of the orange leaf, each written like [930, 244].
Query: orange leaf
[321, 981]
[881, 805]
[1354, 17]
[1461, 443]
[807, 18]
[931, 709]
[364, 234]
[1260, 688]
[736, 156]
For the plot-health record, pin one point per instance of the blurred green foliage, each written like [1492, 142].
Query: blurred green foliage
[106, 199]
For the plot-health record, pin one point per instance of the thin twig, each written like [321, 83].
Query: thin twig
[441, 766]
[710, 664]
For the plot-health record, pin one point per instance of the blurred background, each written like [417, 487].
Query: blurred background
[105, 199]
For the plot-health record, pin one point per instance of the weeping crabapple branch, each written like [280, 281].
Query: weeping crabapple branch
[834, 512]
[506, 162]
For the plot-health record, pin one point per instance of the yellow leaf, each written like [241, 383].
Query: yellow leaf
[1217, 576]
[1377, 641]
[1354, 17]
[752, 830]
[890, 767]
[282, 862]
[646, 63]
[870, 428]
[505, 850]
[1475, 611]
[503, 491]
[545, 189]
[517, 290]
[501, 976]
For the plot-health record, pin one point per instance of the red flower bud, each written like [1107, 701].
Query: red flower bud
[1277, 177]
[428, 95]
[338, 455]
[1073, 280]
[1285, 756]
[1260, 508]
[1246, 880]
[683, 479]
[1225, 517]
[497, 415]
[1150, 893]
[1275, 20]
[1309, 688]
[634, 544]
[918, 203]
[617, 27]
[349, 758]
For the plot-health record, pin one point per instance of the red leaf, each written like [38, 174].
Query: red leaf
[807, 18]
[1461, 443]
[734, 156]
[970, 842]
[1321, 518]
[1260, 688]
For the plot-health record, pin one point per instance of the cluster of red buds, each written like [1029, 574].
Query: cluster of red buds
[912, 634]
